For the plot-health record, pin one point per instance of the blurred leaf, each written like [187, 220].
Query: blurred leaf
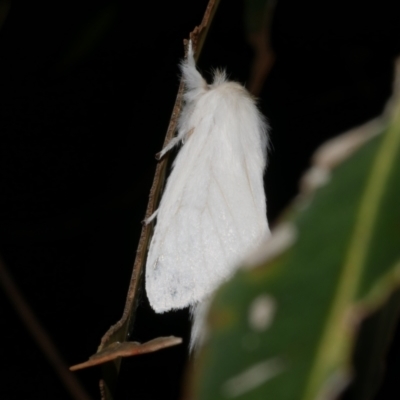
[255, 14]
[258, 19]
[285, 330]
[4, 9]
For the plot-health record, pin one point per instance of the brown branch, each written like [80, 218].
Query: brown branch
[41, 337]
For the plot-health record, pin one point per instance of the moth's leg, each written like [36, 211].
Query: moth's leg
[151, 218]
[172, 143]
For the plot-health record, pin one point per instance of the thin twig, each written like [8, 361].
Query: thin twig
[40, 335]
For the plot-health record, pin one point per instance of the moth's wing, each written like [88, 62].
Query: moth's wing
[211, 213]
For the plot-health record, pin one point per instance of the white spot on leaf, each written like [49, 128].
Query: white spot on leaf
[261, 312]
[252, 377]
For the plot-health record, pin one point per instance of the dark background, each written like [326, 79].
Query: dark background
[86, 92]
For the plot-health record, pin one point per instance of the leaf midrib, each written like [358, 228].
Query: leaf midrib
[328, 352]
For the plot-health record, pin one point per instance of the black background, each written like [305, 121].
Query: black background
[86, 92]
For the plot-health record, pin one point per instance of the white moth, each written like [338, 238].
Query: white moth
[213, 210]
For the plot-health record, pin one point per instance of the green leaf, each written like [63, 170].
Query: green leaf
[286, 329]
